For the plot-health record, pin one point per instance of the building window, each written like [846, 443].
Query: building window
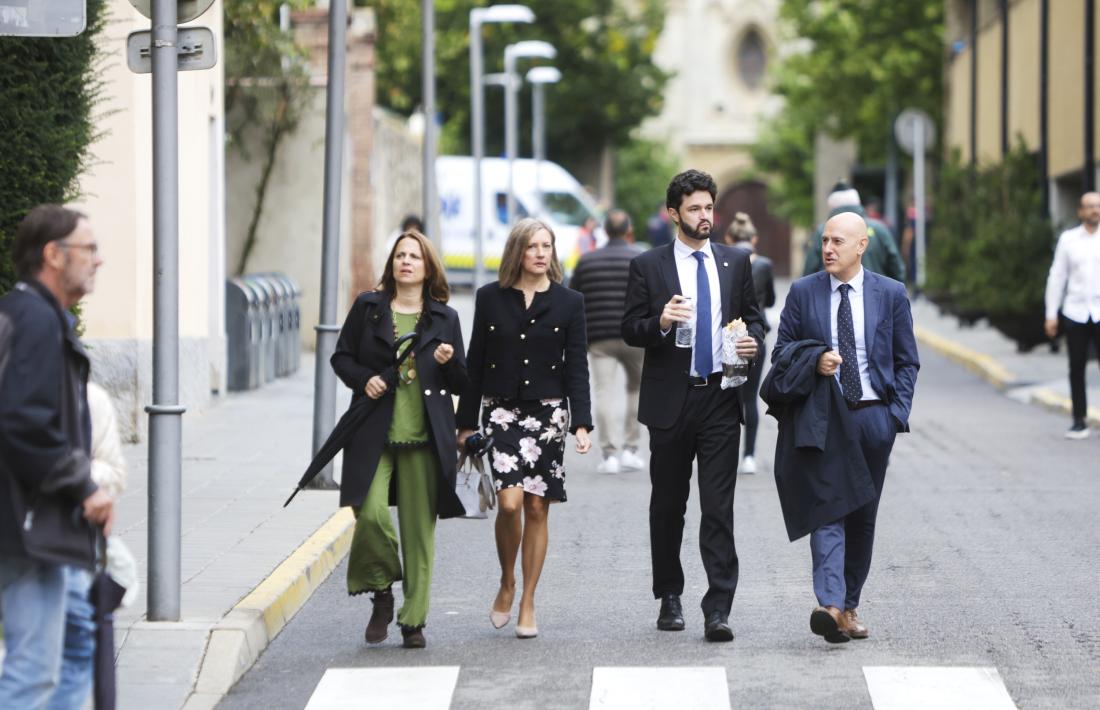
[752, 58]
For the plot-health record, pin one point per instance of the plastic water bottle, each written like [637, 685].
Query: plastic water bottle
[685, 329]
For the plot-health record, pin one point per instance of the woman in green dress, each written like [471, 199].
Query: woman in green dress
[404, 454]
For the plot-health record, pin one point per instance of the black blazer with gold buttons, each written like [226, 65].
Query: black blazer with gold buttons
[528, 353]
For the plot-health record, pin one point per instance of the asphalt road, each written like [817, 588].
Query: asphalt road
[986, 556]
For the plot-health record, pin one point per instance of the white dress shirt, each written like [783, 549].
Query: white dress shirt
[1073, 283]
[855, 298]
[686, 268]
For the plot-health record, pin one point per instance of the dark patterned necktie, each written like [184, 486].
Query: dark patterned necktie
[846, 337]
[704, 351]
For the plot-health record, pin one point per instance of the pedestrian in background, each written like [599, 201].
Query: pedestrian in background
[404, 454]
[854, 329]
[1073, 287]
[529, 381]
[601, 277]
[49, 506]
[109, 473]
[882, 256]
[742, 233]
[681, 401]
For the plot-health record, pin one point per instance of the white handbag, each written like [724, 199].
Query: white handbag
[474, 487]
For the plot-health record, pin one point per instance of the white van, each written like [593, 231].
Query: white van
[555, 197]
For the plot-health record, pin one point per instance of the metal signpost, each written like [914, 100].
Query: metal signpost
[324, 381]
[916, 133]
[162, 56]
[430, 208]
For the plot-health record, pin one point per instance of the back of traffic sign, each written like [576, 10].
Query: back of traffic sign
[186, 10]
[42, 18]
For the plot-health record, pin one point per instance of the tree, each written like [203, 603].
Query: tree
[856, 64]
[266, 91]
[48, 89]
[609, 81]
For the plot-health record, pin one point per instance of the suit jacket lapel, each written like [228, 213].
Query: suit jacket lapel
[872, 294]
[433, 331]
[668, 270]
[823, 306]
[725, 282]
[381, 321]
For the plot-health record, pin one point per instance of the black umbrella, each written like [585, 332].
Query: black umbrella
[357, 413]
[106, 596]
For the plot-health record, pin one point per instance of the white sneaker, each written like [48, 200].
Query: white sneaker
[632, 461]
[1079, 430]
[748, 465]
[609, 465]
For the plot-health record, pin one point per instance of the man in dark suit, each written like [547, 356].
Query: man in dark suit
[866, 319]
[688, 414]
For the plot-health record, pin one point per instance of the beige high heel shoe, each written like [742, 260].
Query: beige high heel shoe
[526, 632]
[499, 619]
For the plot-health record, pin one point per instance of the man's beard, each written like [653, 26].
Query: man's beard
[695, 233]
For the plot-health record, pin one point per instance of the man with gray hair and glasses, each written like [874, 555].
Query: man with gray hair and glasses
[50, 507]
[601, 275]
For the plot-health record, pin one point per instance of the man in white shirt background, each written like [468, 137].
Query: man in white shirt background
[1073, 286]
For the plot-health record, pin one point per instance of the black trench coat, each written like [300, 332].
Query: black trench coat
[820, 472]
[365, 349]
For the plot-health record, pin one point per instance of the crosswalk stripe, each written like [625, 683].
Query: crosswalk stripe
[687, 688]
[943, 688]
[426, 688]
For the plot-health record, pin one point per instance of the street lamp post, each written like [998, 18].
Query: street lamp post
[530, 49]
[538, 78]
[478, 17]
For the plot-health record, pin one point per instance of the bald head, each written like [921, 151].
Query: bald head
[843, 241]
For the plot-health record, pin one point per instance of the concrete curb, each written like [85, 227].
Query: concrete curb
[242, 635]
[997, 375]
[981, 364]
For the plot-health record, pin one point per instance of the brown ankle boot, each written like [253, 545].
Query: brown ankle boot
[413, 637]
[381, 616]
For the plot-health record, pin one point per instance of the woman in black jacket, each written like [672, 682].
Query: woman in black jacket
[404, 453]
[743, 234]
[529, 380]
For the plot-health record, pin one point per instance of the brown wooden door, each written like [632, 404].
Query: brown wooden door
[751, 197]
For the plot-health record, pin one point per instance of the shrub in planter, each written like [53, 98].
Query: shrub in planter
[948, 236]
[1000, 268]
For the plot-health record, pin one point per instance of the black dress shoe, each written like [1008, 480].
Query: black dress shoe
[716, 627]
[671, 617]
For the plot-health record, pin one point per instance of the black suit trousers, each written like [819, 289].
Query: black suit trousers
[708, 430]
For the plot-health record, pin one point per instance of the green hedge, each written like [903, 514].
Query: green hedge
[47, 90]
[991, 244]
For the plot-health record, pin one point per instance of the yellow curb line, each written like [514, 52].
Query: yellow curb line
[236, 642]
[981, 364]
[1055, 402]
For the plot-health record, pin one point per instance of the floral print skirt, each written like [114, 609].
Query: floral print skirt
[528, 444]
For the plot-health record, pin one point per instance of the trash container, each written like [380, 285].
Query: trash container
[281, 301]
[295, 324]
[242, 329]
[268, 309]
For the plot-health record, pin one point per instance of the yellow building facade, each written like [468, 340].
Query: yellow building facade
[1024, 70]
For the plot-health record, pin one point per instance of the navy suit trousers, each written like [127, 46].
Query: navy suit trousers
[841, 550]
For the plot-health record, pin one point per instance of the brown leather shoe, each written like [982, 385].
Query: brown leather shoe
[381, 616]
[827, 621]
[413, 638]
[852, 626]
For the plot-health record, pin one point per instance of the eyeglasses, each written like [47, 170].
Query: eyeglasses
[92, 248]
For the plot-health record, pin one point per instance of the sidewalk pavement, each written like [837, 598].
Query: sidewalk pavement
[1039, 377]
[249, 564]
